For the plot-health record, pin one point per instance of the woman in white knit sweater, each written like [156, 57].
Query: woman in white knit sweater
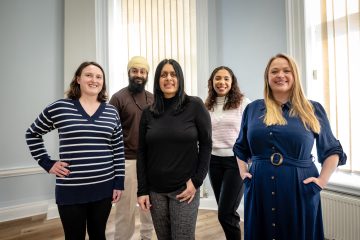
[225, 103]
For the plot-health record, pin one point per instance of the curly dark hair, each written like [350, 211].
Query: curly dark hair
[74, 91]
[234, 96]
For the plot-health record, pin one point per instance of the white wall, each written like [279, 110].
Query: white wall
[42, 43]
[31, 60]
[243, 35]
[79, 35]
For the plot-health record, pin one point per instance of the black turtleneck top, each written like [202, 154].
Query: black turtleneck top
[173, 147]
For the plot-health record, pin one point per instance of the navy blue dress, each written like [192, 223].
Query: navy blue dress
[278, 205]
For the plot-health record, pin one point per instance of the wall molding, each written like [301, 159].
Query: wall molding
[20, 171]
[23, 210]
[52, 210]
[209, 203]
[48, 207]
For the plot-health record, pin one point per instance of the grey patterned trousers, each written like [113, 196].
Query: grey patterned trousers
[172, 219]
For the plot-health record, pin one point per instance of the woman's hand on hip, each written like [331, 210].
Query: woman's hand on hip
[243, 169]
[188, 194]
[244, 175]
[59, 169]
[318, 181]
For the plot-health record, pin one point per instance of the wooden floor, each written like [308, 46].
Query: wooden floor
[38, 228]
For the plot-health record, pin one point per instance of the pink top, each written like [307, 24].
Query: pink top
[225, 126]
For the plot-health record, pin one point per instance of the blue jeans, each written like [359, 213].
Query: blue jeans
[228, 189]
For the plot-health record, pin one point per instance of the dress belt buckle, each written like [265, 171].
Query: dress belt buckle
[276, 156]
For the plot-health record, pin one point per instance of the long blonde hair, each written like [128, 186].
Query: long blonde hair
[300, 105]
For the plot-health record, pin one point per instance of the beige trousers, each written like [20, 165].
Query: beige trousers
[126, 207]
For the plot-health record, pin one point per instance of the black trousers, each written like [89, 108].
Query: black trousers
[228, 189]
[94, 215]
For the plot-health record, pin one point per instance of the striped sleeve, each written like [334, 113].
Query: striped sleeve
[42, 125]
[119, 155]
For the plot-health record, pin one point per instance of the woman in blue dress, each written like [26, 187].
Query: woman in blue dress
[282, 185]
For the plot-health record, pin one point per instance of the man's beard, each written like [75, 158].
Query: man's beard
[135, 87]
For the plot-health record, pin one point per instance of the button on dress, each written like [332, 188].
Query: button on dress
[278, 205]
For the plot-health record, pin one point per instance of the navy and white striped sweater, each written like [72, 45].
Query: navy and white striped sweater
[93, 147]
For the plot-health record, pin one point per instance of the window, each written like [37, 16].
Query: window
[332, 68]
[156, 30]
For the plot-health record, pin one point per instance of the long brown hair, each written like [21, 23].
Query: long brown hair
[233, 98]
[74, 91]
[301, 106]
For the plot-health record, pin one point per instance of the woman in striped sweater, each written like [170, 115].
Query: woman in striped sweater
[90, 171]
[226, 104]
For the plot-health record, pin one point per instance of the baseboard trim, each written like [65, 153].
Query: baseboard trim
[208, 203]
[52, 211]
[49, 208]
[23, 210]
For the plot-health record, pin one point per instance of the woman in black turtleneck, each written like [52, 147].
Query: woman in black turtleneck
[173, 154]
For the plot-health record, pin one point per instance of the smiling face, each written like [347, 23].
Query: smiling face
[222, 82]
[91, 81]
[137, 79]
[168, 81]
[280, 79]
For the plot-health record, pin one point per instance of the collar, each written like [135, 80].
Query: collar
[284, 106]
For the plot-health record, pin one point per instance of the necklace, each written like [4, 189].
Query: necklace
[146, 100]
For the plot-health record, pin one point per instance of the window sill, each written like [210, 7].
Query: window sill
[348, 183]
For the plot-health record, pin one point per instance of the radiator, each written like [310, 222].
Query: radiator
[341, 215]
